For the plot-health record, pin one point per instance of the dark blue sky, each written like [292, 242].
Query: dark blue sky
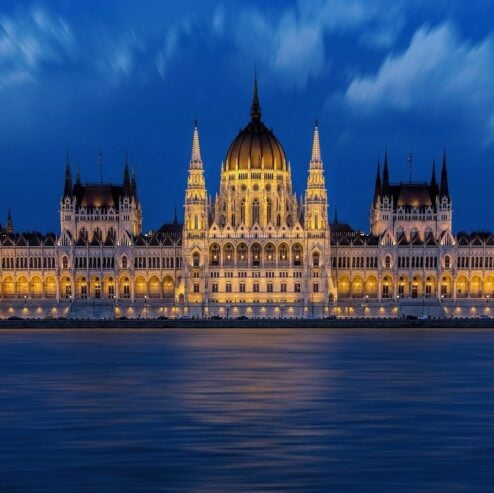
[84, 76]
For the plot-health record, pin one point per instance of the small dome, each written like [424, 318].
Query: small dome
[255, 147]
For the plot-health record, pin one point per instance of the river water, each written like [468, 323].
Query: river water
[247, 410]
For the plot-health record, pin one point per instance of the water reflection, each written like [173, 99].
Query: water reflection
[246, 410]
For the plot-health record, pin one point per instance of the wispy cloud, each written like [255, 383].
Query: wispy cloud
[30, 39]
[291, 43]
[171, 45]
[437, 70]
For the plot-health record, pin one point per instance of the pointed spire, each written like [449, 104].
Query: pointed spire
[78, 174]
[444, 188]
[377, 188]
[133, 184]
[255, 109]
[385, 182]
[196, 160]
[67, 189]
[126, 177]
[10, 223]
[316, 147]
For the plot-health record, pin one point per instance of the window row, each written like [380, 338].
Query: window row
[28, 262]
[256, 287]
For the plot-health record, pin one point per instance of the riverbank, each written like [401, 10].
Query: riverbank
[344, 323]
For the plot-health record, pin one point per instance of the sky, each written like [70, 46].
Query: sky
[115, 76]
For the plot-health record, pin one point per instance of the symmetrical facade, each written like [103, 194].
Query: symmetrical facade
[255, 250]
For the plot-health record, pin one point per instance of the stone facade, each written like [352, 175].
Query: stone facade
[255, 249]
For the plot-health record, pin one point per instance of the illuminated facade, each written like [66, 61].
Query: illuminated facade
[255, 250]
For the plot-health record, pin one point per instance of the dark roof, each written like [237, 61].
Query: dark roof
[173, 229]
[98, 195]
[412, 194]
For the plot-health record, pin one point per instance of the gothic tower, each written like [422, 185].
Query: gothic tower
[316, 226]
[195, 228]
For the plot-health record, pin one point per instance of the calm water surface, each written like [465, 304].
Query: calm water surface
[247, 410]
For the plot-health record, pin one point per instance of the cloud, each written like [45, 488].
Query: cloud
[29, 40]
[123, 58]
[169, 49]
[437, 70]
[291, 43]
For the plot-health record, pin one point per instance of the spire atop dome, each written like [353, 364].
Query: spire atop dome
[255, 109]
[316, 147]
[196, 160]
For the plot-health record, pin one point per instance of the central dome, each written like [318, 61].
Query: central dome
[255, 147]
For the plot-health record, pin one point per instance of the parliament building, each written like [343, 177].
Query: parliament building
[256, 250]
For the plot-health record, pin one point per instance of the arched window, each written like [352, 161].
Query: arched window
[228, 253]
[124, 262]
[255, 212]
[242, 211]
[278, 221]
[316, 221]
[256, 254]
[233, 220]
[283, 253]
[268, 211]
[195, 259]
[222, 221]
[196, 221]
[297, 254]
[269, 252]
[387, 262]
[315, 259]
[215, 255]
[447, 262]
[242, 252]
[65, 263]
